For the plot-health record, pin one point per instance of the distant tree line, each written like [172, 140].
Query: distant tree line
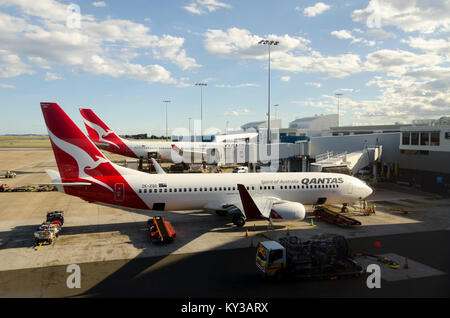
[142, 136]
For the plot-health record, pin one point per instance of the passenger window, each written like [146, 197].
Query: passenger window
[140, 191]
[170, 190]
[175, 190]
[190, 189]
[160, 190]
[200, 189]
[165, 190]
[185, 190]
[195, 189]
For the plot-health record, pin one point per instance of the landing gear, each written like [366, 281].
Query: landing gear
[239, 220]
[221, 213]
[344, 208]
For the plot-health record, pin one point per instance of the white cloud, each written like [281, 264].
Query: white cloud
[315, 84]
[240, 43]
[380, 34]
[7, 86]
[205, 6]
[424, 16]
[236, 112]
[285, 78]
[11, 65]
[317, 9]
[99, 4]
[347, 35]
[429, 45]
[99, 47]
[237, 86]
[52, 77]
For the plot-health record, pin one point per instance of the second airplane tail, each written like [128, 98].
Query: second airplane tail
[104, 137]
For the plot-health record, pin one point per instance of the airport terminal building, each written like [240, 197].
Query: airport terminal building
[424, 158]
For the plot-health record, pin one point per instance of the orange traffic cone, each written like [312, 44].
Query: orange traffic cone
[406, 266]
[251, 243]
[246, 233]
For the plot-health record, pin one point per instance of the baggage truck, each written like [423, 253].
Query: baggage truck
[294, 258]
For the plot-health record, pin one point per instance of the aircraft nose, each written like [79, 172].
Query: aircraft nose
[367, 191]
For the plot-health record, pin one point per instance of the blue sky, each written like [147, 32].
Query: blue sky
[390, 59]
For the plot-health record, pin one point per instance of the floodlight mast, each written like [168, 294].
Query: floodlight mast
[166, 102]
[268, 43]
[338, 95]
[201, 106]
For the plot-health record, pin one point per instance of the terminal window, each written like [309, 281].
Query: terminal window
[405, 138]
[434, 138]
[414, 138]
[424, 138]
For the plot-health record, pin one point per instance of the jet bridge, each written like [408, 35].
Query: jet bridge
[347, 162]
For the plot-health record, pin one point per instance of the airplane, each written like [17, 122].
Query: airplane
[86, 173]
[107, 140]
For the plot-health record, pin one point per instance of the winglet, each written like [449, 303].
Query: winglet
[158, 168]
[250, 209]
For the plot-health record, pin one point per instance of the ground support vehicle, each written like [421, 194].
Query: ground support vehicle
[161, 231]
[293, 258]
[334, 217]
[44, 236]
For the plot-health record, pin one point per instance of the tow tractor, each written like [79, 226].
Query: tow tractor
[50, 229]
[10, 174]
[330, 216]
[161, 231]
[42, 236]
[291, 257]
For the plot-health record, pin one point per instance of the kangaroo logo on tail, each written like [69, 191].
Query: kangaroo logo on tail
[101, 132]
[84, 161]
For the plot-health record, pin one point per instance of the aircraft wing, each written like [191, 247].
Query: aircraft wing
[254, 207]
[251, 207]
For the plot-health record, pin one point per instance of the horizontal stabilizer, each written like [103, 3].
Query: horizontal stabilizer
[68, 184]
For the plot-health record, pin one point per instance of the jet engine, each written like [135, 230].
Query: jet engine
[288, 211]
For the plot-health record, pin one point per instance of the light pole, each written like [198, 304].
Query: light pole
[201, 106]
[268, 43]
[167, 134]
[338, 95]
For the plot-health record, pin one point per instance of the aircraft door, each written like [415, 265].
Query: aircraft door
[119, 192]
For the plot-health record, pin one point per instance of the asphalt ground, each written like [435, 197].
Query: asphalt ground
[210, 259]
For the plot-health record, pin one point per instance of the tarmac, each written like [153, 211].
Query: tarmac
[210, 257]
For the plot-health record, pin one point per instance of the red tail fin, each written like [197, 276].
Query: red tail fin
[79, 160]
[76, 155]
[100, 133]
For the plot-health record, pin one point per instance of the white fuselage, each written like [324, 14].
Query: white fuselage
[164, 149]
[213, 191]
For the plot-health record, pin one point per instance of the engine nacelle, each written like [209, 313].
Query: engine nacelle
[288, 211]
